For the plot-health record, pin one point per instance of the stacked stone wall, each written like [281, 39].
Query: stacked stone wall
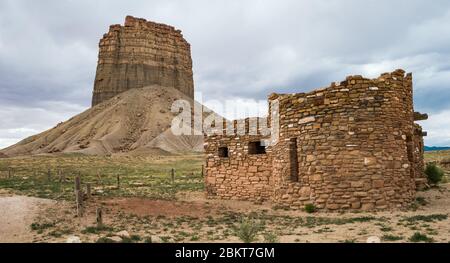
[241, 175]
[353, 145]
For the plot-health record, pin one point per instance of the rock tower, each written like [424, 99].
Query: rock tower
[139, 54]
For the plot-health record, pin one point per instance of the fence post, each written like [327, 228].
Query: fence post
[62, 177]
[203, 170]
[173, 176]
[88, 191]
[99, 218]
[77, 183]
[100, 181]
[118, 181]
[49, 175]
[9, 173]
[79, 196]
[79, 199]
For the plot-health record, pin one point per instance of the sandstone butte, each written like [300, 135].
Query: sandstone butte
[139, 54]
[143, 67]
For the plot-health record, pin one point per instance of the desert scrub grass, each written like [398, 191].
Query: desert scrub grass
[105, 240]
[419, 237]
[248, 229]
[391, 238]
[425, 218]
[41, 227]
[139, 176]
[386, 228]
[421, 201]
[271, 238]
[96, 229]
[434, 173]
[310, 208]
[312, 222]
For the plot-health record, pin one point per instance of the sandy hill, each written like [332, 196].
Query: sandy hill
[138, 120]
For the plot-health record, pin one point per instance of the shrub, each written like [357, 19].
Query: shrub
[248, 230]
[96, 230]
[391, 238]
[310, 208]
[105, 240]
[418, 237]
[421, 201]
[271, 238]
[434, 173]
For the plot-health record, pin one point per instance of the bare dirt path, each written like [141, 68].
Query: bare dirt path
[16, 215]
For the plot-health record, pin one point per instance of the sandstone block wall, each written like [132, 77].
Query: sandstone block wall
[239, 175]
[353, 145]
[139, 54]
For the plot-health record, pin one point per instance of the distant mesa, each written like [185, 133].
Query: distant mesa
[435, 148]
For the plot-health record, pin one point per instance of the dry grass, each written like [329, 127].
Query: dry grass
[139, 176]
[154, 209]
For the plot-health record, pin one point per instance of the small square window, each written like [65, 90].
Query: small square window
[256, 148]
[223, 152]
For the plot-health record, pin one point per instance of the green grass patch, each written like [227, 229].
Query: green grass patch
[139, 176]
[391, 238]
[419, 237]
[96, 230]
[425, 218]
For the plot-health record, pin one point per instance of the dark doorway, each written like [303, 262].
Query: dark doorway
[293, 156]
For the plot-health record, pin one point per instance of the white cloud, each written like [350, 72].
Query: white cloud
[438, 128]
[241, 50]
[21, 122]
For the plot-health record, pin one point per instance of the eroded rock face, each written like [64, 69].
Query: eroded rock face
[140, 54]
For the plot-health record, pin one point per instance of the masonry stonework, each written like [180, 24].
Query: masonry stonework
[351, 146]
[139, 54]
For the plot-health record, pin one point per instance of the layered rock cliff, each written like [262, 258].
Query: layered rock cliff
[139, 54]
[143, 68]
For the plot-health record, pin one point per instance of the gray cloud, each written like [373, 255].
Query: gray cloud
[48, 50]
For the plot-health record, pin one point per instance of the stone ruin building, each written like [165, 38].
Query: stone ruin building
[351, 146]
[142, 53]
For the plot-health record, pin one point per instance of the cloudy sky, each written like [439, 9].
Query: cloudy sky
[241, 50]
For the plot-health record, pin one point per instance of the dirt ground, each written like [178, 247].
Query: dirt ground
[196, 219]
[151, 206]
[16, 216]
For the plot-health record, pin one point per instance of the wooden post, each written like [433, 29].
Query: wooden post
[118, 181]
[49, 175]
[99, 218]
[173, 176]
[88, 191]
[79, 199]
[9, 173]
[77, 184]
[203, 170]
[62, 177]
[100, 181]
[79, 196]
